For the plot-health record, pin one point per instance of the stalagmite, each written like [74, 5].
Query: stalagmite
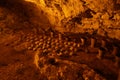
[100, 53]
[103, 43]
[51, 34]
[92, 43]
[82, 41]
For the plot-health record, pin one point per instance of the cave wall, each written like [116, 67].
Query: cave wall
[18, 15]
[93, 16]
[100, 16]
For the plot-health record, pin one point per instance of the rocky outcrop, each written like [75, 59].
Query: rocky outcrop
[65, 15]
[58, 54]
[83, 15]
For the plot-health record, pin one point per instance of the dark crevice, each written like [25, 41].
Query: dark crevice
[53, 62]
[87, 14]
[117, 7]
[58, 7]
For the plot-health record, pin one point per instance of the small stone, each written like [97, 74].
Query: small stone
[52, 43]
[56, 40]
[75, 49]
[37, 42]
[59, 54]
[69, 43]
[37, 46]
[57, 44]
[62, 49]
[74, 44]
[71, 53]
[56, 47]
[32, 45]
[27, 40]
[31, 41]
[60, 41]
[43, 47]
[48, 41]
[31, 37]
[49, 38]
[78, 45]
[29, 48]
[65, 52]
[36, 39]
[60, 46]
[47, 46]
[45, 50]
[34, 49]
[66, 45]
[49, 49]
[40, 43]
[71, 48]
[41, 40]
[40, 37]
[66, 39]
[44, 37]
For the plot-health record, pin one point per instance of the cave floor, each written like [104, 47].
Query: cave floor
[18, 64]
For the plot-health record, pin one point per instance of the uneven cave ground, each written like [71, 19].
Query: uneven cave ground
[18, 50]
[17, 59]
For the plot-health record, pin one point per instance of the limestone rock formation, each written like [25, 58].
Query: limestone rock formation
[59, 39]
[83, 15]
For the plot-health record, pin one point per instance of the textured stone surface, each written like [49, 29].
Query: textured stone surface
[26, 38]
[83, 15]
[52, 57]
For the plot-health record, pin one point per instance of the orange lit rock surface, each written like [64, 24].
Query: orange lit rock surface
[82, 15]
[60, 40]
